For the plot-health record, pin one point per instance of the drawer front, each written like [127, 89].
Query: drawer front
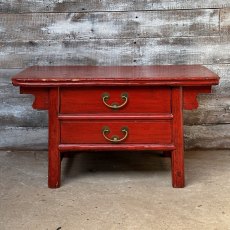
[116, 132]
[119, 100]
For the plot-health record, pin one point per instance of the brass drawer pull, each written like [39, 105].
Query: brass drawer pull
[115, 138]
[115, 105]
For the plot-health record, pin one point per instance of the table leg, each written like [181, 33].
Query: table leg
[177, 158]
[54, 165]
[54, 169]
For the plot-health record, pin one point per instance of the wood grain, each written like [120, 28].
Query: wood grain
[151, 51]
[104, 25]
[205, 50]
[15, 6]
[93, 52]
[225, 21]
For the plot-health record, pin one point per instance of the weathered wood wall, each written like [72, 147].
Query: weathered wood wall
[100, 32]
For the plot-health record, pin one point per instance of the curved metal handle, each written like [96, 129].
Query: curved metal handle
[106, 96]
[115, 138]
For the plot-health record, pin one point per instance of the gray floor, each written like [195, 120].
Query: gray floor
[115, 191]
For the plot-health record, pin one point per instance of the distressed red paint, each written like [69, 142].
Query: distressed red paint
[152, 111]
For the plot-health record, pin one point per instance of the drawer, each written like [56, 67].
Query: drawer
[112, 99]
[116, 132]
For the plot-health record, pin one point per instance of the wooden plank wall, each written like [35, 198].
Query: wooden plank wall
[100, 32]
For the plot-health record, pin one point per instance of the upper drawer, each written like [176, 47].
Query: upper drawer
[113, 99]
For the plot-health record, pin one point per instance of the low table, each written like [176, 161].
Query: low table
[109, 108]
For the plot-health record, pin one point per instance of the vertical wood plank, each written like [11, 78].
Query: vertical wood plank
[177, 158]
[54, 166]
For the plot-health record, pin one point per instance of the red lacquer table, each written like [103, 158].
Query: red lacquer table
[115, 108]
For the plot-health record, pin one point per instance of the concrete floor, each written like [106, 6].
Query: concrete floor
[115, 191]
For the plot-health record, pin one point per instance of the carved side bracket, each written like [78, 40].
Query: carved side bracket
[190, 96]
[41, 101]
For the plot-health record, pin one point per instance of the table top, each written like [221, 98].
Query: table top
[48, 76]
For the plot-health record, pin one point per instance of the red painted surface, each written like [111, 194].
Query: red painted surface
[115, 147]
[54, 166]
[186, 75]
[89, 100]
[41, 97]
[190, 96]
[90, 132]
[117, 116]
[177, 155]
[153, 112]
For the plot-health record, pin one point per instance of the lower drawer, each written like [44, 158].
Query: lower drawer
[129, 132]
